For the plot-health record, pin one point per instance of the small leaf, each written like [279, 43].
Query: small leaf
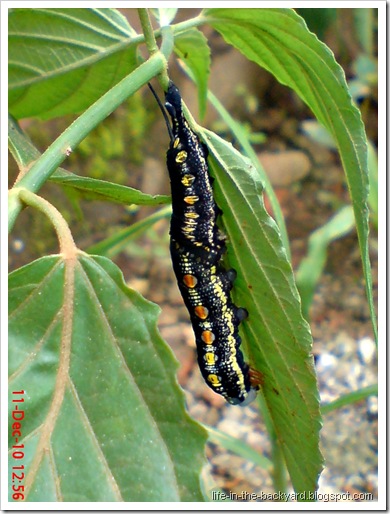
[62, 60]
[164, 15]
[276, 336]
[191, 46]
[108, 191]
[25, 154]
[104, 417]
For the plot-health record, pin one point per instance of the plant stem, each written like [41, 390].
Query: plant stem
[147, 29]
[65, 238]
[81, 127]
[183, 26]
[167, 42]
[150, 40]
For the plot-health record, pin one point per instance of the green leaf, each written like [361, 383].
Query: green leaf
[279, 41]
[191, 46]
[25, 154]
[275, 334]
[104, 417]
[311, 267]
[108, 191]
[62, 60]
[373, 175]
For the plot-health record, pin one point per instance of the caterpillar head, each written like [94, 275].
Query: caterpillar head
[173, 101]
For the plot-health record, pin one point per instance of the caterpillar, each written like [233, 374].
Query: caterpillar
[197, 246]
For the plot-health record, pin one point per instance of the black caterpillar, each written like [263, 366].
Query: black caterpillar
[197, 246]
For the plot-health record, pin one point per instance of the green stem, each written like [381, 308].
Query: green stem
[183, 26]
[81, 127]
[65, 239]
[167, 42]
[147, 29]
[150, 40]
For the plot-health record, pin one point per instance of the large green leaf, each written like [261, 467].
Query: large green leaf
[279, 41]
[104, 418]
[276, 336]
[62, 60]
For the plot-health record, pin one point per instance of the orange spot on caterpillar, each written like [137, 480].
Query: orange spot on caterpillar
[208, 337]
[190, 281]
[201, 312]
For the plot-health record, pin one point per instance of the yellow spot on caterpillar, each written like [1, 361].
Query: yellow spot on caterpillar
[190, 222]
[188, 229]
[214, 380]
[209, 358]
[201, 312]
[181, 157]
[190, 281]
[191, 215]
[190, 200]
[187, 180]
[208, 337]
[176, 143]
